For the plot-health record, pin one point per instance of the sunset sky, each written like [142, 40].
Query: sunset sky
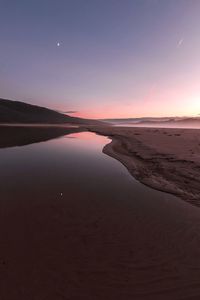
[102, 58]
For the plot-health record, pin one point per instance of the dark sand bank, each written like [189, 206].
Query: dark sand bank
[164, 159]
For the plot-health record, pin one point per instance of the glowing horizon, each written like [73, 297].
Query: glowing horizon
[106, 59]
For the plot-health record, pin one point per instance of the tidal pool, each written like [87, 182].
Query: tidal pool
[74, 224]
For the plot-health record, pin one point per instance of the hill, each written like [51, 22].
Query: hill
[20, 112]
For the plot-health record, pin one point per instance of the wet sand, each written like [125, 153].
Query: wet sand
[164, 159]
[96, 249]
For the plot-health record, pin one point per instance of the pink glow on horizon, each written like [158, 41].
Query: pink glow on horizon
[147, 107]
[175, 98]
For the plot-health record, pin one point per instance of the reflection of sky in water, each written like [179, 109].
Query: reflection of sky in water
[68, 211]
[74, 168]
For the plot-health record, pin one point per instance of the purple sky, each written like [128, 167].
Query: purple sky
[114, 58]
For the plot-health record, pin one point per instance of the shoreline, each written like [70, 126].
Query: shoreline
[174, 170]
[73, 219]
[36, 125]
[165, 159]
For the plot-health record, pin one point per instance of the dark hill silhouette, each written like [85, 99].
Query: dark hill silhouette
[20, 112]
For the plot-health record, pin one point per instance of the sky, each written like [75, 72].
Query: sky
[102, 58]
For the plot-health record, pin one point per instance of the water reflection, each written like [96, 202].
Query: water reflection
[74, 223]
[19, 136]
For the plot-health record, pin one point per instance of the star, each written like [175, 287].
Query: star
[180, 42]
[58, 44]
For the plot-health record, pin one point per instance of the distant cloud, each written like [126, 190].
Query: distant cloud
[180, 42]
[68, 111]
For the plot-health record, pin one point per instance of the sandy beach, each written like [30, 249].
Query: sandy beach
[164, 159]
